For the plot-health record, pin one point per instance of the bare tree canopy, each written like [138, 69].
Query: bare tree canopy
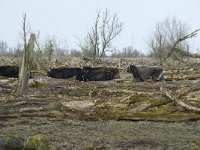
[106, 28]
[127, 52]
[164, 36]
[3, 47]
[50, 46]
[174, 48]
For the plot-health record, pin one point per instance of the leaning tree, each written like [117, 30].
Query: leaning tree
[195, 87]
[164, 35]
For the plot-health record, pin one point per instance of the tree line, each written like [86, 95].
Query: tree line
[106, 28]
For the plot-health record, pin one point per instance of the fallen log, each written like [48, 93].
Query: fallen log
[179, 102]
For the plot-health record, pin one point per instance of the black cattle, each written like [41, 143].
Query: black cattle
[144, 72]
[64, 73]
[9, 71]
[99, 74]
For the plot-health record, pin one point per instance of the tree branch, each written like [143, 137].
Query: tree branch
[173, 49]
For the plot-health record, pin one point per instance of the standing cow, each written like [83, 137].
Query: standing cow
[145, 72]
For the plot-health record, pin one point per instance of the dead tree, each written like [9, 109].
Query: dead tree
[25, 68]
[165, 35]
[50, 47]
[50, 50]
[38, 55]
[174, 49]
[180, 102]
[195, 87]
[99, 38]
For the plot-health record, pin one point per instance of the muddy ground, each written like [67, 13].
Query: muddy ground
[118, 114]
[119, 135]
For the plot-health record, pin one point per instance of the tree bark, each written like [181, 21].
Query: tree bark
[25, 67]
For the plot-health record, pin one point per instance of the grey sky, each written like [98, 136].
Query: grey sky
[69, 18]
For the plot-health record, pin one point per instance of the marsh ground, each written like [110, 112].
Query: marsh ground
[118, 114]
[119, 135]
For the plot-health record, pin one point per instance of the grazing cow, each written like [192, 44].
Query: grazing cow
[144, 72]
[99, 73]
[9, 71]
[64, 73]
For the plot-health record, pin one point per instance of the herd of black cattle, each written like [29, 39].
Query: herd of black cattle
[140, 73]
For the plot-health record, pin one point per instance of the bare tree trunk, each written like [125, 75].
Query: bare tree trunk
[26, 67]
[50, 50]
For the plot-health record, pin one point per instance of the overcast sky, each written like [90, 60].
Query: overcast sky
[67, 19]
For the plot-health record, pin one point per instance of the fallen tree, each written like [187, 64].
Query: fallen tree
[179, 102]
[183, 92]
